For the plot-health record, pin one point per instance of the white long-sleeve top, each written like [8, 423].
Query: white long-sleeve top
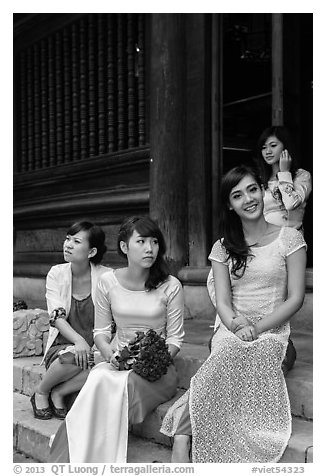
[59, 289]
[285, 198]
[161, 309]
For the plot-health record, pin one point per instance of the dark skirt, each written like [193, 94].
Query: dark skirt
[53, 353]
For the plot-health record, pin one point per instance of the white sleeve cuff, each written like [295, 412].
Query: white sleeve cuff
[105, 330]
[173, 341]
[285, 177]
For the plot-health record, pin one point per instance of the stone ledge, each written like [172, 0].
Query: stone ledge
[299, 449]
[30, 332]
[28, 373]
[29, 289]
[31, 437]
[197, 276]
[299, 383]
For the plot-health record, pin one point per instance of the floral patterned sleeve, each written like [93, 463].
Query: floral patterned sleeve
[293, 240]
[57, 313]
[218, 253]
[294, 192]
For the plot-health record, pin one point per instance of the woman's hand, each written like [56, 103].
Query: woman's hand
[107, 352]
[285, 161]
[238, 323]
[104, 346]
[173, 349]
[114, 362]
[247, 333]
[82, 350]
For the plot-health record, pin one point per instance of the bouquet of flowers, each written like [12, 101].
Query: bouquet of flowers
[147, 355]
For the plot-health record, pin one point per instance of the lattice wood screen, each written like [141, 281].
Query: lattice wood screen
[81, 91]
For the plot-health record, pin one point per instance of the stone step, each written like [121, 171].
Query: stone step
[300, 387]
[18, 457]
[31, 438]
[28, 372]
[198, 306]
[303, 342]
[303, 319]
[299, 449]
[199, 331]
[300, 439]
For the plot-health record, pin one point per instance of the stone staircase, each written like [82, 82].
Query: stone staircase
[146, 443]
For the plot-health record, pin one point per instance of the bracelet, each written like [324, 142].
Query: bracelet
[57, 313]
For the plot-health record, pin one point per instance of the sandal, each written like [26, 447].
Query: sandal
[59, 413]
[40, 413]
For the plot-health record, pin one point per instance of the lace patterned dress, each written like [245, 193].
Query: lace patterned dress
[238, 402]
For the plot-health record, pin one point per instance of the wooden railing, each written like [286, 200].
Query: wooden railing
[80, 92]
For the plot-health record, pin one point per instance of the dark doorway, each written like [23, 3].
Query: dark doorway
[246, 96]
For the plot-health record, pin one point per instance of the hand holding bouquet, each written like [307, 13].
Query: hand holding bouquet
[147, 355]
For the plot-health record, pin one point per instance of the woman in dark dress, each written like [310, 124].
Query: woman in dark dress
[70, 289]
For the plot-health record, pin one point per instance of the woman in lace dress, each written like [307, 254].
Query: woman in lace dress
[287, 189]
[138, 297]
[237, 408]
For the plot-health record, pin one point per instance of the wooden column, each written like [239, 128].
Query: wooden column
[198, 136]
[277, 69]
[217, 117]
[168, 183]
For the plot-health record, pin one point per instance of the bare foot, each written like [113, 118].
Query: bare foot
[181, 449]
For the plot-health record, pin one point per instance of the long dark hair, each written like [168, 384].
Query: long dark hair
[283, 135]
[96, 238]
[146, 227]
[230, 225]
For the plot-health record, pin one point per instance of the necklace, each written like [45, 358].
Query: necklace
[257, 240]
